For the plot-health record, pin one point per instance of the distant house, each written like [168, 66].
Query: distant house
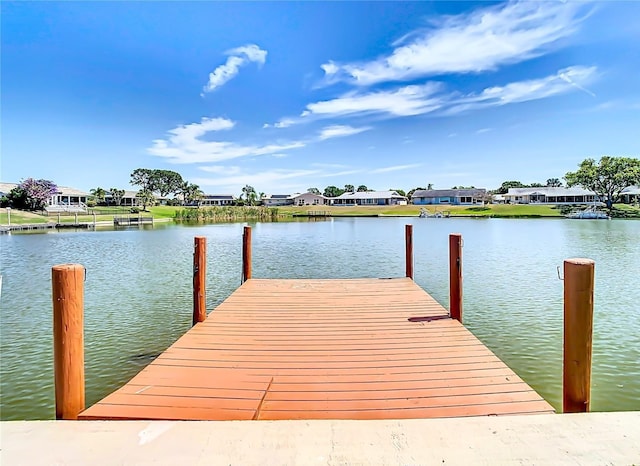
[129, 199]
[449, 196]
[64, 196]
[309, 199]
[369, 198]
[273, 200]
[630, 194]
[216, 200]
[550, 195]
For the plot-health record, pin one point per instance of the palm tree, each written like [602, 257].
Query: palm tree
[98, 194]
[249, 194]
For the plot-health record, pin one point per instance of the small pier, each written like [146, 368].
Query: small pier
[314, 214]
[312, 349]
[132, 220]
[324, 349]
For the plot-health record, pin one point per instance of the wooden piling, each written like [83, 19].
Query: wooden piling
[578, 331]
[199, 279]
[455, 276]
[408, 239]
[68, 339]
[246, 254]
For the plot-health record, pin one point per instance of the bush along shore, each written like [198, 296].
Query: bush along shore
[227, 213]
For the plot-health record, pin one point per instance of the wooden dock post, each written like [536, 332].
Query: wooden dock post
[455, 276]
[578, 330]
[408, 239]
[246, 254]
[199, 279]
[68, 340]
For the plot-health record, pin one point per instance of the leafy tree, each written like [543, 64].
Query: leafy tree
[554, 183]
[463, 187]
[399, 191]
[411, 191]
[249, 195]
[190, 192]
[349, 188]
[430, 186]
[332, 191]
[536, 185]
[313, 190]
[162, 182]
[504, 187]
[146, 198]
[99, 195]
[362, 189]
[32, 194]
[166, 181]
[607, 177]
[116, 195]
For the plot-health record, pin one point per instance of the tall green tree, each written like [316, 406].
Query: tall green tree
[162, 182]
[349, 188]
[411, 191]
[249, 195]
[146, 198]
[98, 194]
[362, 189]
[332, 191]
[607, 178]
[554, 183]
[116, 195]
[313, 190]
[190, 192]
[504, 187]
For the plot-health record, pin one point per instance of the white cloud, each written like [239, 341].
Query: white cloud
[468, 43]
[405, 101]
[523, 91]
[185, 144]
[395, 168]
[483, 130]
[237, 57]
[284, 123]
[337, 131]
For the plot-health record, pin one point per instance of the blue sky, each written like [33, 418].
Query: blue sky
[286, 96]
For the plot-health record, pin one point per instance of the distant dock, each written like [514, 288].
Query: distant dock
[132, 220]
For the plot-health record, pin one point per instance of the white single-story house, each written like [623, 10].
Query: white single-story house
[370, 198]
[65, 196]
[630, 194]
[309, 199]
[449, 196]
[550, 195]
[272, 200]
[217, 200]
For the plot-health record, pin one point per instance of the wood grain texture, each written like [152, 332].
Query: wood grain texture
[324, 349]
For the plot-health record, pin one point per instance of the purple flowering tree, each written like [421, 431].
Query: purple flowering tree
[33, 194]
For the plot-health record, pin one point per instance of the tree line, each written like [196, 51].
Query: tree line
[606, 177]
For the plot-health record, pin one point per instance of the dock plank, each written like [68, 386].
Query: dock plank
[324, 349]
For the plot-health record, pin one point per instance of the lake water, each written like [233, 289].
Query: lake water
[138, 293]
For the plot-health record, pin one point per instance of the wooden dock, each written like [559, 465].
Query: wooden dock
[132, 220]
[324, 349]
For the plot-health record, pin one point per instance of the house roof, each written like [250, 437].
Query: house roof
[550, 191]
[429, 193]
[297, 195]
[371, 195]
[277, 196]
[219, 196]
[631, 190]
[64, 190]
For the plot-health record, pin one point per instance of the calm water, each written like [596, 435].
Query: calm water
[138, 293]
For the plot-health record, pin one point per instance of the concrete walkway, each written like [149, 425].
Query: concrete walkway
[596, 438]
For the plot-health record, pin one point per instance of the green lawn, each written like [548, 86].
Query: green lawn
[20, 217]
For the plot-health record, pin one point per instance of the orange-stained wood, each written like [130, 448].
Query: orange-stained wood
[324, 349]
[199, 279]
[578, 331]
[67, 283]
